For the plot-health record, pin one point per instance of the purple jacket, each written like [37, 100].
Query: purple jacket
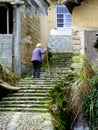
[37, 54]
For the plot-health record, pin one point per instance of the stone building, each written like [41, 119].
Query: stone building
[21, 27]
[84, 26]
[59, 27]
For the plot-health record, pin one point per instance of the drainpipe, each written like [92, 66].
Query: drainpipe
[17, 37]
[17, 58]
[7, 20]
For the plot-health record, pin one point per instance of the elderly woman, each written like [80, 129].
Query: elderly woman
[37, 60]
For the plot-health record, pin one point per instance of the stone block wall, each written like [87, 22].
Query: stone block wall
[77, 38]
[60, 43]
[83, 41]
[6, 50]
[30, 35]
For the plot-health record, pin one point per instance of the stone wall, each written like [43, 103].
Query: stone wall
[60, 43]
[77, 39]
[85, 15]
[6, 50]
[30, 33]
[83, 41]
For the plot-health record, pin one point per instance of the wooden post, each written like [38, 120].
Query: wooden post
[48, 64]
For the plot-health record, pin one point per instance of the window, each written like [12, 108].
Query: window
[63, 17]
[6, 20]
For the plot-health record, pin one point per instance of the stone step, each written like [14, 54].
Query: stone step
[35, 90]
[31, 81]
[59, 62]
[25, 102]
[24, 105]
[26, 98]
[40, 80]
[62, 71]
[63, 55]
[35, 87]
[34, 82]
[29, 94]
[27, 84]
[25, 109]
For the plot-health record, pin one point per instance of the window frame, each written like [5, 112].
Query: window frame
[65, 21]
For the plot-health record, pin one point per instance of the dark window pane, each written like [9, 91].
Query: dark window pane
[60, 20]
[59, 25]
[59, 15]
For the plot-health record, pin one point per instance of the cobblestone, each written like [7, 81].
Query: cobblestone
[25, 121]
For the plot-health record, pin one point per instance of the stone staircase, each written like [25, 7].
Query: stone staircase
[34, 97]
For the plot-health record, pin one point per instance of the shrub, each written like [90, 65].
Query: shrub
[8, 76]
[90, 105]
[60, 109]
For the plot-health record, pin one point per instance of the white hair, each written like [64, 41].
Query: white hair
[38, 45]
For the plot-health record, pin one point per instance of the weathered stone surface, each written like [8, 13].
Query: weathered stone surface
[60, 43]
[25, 121]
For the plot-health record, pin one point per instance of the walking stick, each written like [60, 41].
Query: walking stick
[48, 63]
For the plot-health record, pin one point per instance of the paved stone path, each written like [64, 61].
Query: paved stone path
[25, 121]
[27, 109]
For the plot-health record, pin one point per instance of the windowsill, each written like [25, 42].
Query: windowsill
[63, 31]
[62, 28]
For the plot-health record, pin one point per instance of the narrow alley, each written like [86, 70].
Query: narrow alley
[28, 108]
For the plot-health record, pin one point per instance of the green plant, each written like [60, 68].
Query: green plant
[8, 76]
[90, 104]
[60, 109]
[82, 68]
[83, 72]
